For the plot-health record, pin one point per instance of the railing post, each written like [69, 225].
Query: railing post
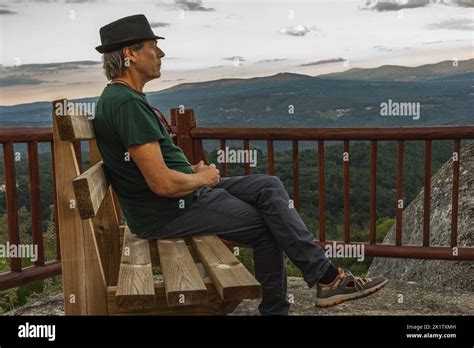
[36, 226]
[346, 188]
[322, 193]
[173, 122]
[400, 202]
[185, 121]
[373, 193]
[427, 194]
[455, 194]
[12, 202]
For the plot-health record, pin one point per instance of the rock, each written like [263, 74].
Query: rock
[51, 305]
[436, 273]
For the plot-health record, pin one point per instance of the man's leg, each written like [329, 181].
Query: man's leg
[269, 196]
[217, 212]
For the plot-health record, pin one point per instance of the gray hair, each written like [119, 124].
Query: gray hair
[114, 62]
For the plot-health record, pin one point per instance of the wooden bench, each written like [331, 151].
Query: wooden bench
[107, 270]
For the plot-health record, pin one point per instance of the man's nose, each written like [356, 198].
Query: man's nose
[161, 54]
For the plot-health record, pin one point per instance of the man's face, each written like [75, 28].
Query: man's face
[148, 60]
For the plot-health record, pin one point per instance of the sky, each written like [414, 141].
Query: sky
[209, 40]
[209, 34]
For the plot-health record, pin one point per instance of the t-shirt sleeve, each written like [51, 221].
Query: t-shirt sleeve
[135, 124]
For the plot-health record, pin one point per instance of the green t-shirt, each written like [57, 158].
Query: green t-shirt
[123, 117]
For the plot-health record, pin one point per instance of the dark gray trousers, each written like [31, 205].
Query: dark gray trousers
[255, 210]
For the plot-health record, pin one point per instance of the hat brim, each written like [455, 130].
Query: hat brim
[120, 44]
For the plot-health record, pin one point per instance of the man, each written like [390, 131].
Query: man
[163, 196]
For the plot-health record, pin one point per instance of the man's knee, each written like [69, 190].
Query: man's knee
[270, 180]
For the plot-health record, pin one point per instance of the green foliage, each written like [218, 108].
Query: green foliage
[24, 294]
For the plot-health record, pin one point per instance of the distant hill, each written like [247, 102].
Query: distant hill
[445, 95]
[402, 73]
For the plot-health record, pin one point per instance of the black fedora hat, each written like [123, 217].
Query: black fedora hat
[124, 32]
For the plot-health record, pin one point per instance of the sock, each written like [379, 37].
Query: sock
[330, 275]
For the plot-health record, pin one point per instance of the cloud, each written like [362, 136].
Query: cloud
[234, 58]
[464, 3]
[159, 24]
[297, 30]
[272, 60]
[192, 5]
[394, 5]
[6, 12]
[454, 24]
[324, 61]
[15, 80]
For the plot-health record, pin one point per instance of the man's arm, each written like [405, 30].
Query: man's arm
[167, 182]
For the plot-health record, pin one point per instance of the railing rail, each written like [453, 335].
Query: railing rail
[191, 138]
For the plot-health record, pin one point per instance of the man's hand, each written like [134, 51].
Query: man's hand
[209, 174]
[198, 166]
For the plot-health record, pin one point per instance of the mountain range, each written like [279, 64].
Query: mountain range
[352, 98]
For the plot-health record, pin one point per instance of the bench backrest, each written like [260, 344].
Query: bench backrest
[88, 223]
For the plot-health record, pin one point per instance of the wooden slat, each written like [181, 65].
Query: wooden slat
[155, 260]
[183, 283]
[373, 192]
[214, 306]
[296, 176]
[224, 163]
[400, 203]
[36, 218]
[135, 281]
[118, 210]
[247, 162]
[90, 189]
[55, 200]
[271, 162]
[106, 227]
[200, 153]
[12, 202]
[231, 279]
[427, 195]
[346, 179]
[322, 193]
[29, 274]
[78, 150]
[72, 127]
[344, 133]
[411, 251]
[455, 194]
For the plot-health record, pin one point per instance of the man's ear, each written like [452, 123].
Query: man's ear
[130, 55]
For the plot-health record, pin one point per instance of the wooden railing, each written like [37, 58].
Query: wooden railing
[400, 135]
[190, 139]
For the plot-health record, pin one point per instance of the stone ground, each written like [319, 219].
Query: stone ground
[417, 300]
